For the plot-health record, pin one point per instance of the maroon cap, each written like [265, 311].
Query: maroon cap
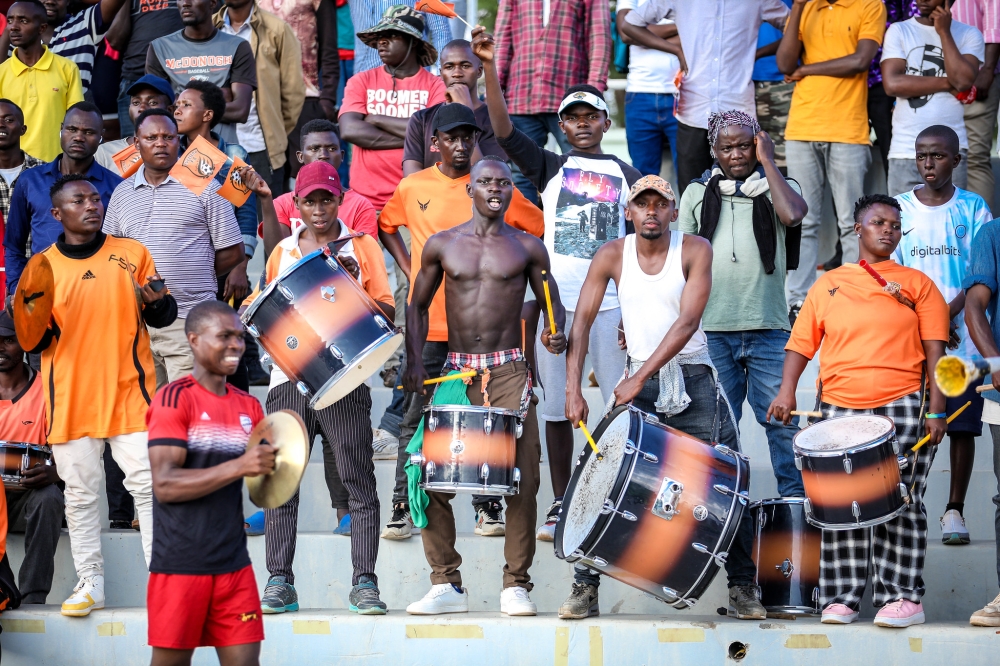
[318, 175]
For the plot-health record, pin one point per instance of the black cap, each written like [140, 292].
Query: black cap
[450, 116]
[6, 325]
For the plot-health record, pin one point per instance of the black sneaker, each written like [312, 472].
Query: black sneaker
[582, 602]
[489, 519]
[400, 526]
[744, 604]
[120, 525]
[279, 596]
[364, 599]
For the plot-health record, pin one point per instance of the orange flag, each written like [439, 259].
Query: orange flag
[438, 7]
[198, 165]
[235, 190]
[127, 160]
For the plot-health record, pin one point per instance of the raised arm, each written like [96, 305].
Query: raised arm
[789, 206]
[960, 70]
[109, 9]
[484, 47]
[173, 483]
[425, 284]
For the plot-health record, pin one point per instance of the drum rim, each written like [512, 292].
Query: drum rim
[476, 409]
[42, 447]
[838, 453]
[840, 527]
[475, 489]
[777, 500]
[253, 307]
[381, 340]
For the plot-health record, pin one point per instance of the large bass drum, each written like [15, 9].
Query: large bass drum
[786, 550]
[658, 512]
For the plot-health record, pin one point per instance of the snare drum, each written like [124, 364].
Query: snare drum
[850, 472]
[16, 458]
[658, 512]
[469, 449]
[321, 328]
[786, 550]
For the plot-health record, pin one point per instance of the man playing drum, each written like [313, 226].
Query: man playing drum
[876, 351]
[489, 264]
[664, 278]
[347, 422]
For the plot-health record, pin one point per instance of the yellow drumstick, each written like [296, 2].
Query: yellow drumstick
[586, 433]
[927, 438]
[548, 305]
[447, 378]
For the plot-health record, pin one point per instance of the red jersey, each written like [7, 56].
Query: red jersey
[23, 418]
[202, 536]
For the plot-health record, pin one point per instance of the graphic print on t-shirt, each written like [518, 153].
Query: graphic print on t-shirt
[587, 212]
[396, 103]
[931, 64]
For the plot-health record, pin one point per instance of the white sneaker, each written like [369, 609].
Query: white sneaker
[88, 595]
[384, 445]
[953, 530]
[441, 599]
[515, 601]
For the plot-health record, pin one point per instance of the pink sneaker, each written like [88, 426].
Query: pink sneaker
[900, 613]
[839, 614]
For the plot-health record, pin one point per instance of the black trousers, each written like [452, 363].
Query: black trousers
[880, 118]
[694, 155]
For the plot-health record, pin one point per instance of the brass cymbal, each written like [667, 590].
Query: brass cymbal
[286, 432]
[33, 300]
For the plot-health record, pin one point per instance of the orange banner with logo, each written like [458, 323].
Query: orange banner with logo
[436, 7]
[128, 160]
[198, 165]
[235, 191]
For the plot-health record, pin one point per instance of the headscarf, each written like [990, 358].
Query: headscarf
[720, 121]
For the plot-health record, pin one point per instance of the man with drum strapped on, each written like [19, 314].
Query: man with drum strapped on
[35, 506]
[664, 279]
[876, 341]
[346, 423]
[489, 265]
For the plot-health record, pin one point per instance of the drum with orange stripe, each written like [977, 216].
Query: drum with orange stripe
[850, 472]
[786, 550]
[658, 512]
[321, 328]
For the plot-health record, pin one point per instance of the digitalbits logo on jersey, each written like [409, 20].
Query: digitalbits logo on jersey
[247, 423]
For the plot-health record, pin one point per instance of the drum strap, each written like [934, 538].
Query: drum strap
[717, 420]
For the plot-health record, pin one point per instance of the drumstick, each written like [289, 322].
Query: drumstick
[926, 438]
[894, 290]
[984, 388]
[590, 440]
[816, 415]
[874, 273]
[447, 378]
[548, 302]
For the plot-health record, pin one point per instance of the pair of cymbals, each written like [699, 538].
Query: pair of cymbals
[286, 432]
[32, 302]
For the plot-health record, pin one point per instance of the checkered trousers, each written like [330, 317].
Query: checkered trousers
[893, 552]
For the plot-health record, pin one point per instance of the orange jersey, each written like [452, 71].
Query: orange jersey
[23, 418]
[428, 202]
[98, 373]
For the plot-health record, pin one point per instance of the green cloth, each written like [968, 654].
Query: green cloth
[448, 393]
[743, 297]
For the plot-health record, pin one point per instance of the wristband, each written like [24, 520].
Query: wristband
[935, 416]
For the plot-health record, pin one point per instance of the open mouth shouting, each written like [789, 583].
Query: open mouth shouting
[495, 203]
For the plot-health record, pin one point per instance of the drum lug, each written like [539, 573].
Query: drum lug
[430, 469]
[517, 481]
[744, 498]
[856, 510]
[332, 263]
[895, 446]
[610, 508]
[488, 423]
[286, 292]
[903, 463]
[671, 593]
[798, 463]
[252, 330]
[904, 492]
[599, 561]
[720, 558]
[380, 320]
[337, 354]
[668, 499]
[807, 507]
[484, 472]
[725, 450]
[786, 568]
[518, 429]
[848, 467]
[303, 389]
[416, 459]
[630, 447]
[432, 422]
[689, 603]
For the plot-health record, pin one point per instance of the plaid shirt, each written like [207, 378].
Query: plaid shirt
[6, 188]
[573, 48]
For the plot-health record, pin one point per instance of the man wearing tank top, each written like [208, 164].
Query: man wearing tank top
[664, 278]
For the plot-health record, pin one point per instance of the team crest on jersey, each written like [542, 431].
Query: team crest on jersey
[247, 423]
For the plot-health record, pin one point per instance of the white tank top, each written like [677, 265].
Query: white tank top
[651, 304]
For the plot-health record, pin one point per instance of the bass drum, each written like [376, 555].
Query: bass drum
[658, 512]
[786, 550]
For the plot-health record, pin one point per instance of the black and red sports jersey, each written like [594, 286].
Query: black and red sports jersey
[203, 536]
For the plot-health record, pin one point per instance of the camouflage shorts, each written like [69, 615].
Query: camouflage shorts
[774, 98]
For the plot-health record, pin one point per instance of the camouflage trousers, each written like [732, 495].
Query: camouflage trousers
[774, 99]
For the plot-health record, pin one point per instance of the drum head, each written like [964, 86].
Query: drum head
[596, 478]
[33, 300]
[844, 432]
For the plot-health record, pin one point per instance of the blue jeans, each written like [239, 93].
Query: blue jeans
[649, 119]
[537, 127]
[749, 365]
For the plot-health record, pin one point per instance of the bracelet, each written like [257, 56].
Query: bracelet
[935, 416]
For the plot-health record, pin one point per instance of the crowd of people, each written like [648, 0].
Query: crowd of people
[421, 156]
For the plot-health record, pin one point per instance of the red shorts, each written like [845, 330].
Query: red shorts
[186, 612]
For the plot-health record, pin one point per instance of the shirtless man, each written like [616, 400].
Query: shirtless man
[489, 265]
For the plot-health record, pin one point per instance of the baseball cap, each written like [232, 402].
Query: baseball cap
[317, 176]
[583, 97]
[154, 82]
[654, 183]
[6, 325]
[450, 116]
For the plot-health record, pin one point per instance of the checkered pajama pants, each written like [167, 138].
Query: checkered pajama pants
[893, 552]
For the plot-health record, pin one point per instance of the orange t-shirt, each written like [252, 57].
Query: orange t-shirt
[23, 418]
[428, 202]
[872, 352]
[98, 375]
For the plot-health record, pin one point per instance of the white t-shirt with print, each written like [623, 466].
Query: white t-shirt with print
[920, 46]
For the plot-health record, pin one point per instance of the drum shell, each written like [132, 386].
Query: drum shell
[319, 336]
[786, 552]
[17, 457]
[457, 443]
[652, 553]
[873, 484]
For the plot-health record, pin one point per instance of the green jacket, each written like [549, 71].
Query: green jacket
[280, 88]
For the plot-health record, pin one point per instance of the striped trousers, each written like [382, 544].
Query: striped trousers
[348, 429]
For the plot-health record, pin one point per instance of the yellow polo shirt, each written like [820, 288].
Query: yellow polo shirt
[828, 108]
[43, 92]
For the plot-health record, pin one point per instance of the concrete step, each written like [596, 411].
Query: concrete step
[958, 579]
[117, 636]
